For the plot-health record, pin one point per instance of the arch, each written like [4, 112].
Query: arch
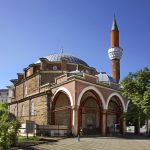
[66, 91]
[95, 90]
[87, 99]
[127, 105]
[120, 98]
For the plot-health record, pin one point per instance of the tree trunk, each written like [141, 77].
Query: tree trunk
[137, 126]
[147, 127]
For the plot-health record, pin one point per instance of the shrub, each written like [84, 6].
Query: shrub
[8, 128]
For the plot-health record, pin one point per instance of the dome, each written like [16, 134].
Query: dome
[103, 77]
[70, 58]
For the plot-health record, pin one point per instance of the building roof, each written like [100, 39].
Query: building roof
[3, 90]
[70, 58]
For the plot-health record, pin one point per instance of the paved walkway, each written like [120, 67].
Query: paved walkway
[95, 143]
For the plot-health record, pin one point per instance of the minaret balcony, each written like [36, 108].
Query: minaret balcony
[115, 53]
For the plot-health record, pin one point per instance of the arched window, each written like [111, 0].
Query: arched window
[26, 91]
[23, 110]
[15, 111]
[32, 109]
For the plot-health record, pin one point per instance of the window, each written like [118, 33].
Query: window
[32, 108]
[87, 71]
[54, 67]
[15, 111]
[28, 73]
[26, 91]
[23, 110]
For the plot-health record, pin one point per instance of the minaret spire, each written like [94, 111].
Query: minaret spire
[115, 52]
[114, 24]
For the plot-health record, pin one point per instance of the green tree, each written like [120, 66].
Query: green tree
[8, 128]
[3, 109]
[146, 103]
[137, 90]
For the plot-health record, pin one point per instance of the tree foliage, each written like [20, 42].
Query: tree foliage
[137, 90]
[146, 103]
[8, 128]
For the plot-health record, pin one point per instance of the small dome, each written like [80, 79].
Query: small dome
[71, 59]
[103, 77]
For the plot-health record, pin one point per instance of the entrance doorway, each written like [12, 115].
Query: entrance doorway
[89, 116]
[114, 123]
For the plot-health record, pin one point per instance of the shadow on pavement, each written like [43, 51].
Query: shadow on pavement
[27, 145]
[131, 136]
[128, 136]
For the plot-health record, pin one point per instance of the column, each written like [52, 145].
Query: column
[48, 100]
[104, 122]
[74, 120]
[124, 126]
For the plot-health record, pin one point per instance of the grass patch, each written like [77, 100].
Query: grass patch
[24, 138]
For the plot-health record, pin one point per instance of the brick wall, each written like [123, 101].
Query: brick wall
[40, 110]
[90, 78]
[32, 85]
[49, 77]
[12, 108]
[40, 106]
[24, 116]
[19, 91]
[61, 79]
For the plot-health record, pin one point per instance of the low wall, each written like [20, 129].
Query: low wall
[46, 130]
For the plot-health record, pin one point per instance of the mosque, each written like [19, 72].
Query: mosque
[62, 94]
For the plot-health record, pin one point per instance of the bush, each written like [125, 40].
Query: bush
[8, 129]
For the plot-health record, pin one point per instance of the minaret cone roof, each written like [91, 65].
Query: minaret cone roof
[114, 25]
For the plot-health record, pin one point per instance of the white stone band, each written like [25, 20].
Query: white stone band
[115, 53]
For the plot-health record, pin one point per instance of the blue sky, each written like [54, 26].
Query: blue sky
[30, 29]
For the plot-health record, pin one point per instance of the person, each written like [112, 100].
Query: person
[78, 137]
[81, 132]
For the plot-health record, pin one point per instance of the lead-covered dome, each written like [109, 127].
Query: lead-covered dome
[105, 78]
[70, 58]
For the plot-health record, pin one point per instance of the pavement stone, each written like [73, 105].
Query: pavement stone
[96, 143]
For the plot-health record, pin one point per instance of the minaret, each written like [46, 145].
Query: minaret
[115, 52]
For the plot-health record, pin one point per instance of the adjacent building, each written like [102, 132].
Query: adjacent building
[4, 95]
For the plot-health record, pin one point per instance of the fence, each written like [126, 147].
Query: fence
[46, 130]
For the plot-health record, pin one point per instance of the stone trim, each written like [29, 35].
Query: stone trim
[120, 98]
[127, 105]
[95, 90]
[66, 91]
